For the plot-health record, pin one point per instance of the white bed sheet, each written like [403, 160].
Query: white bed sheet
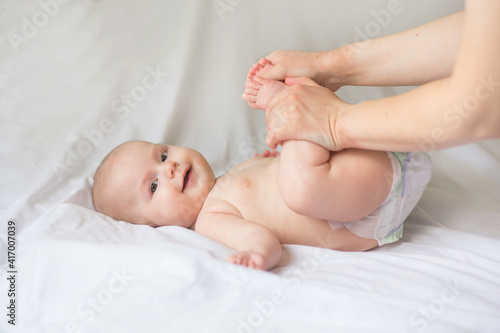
[78, 78]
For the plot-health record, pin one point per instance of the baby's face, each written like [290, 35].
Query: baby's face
[160, 185]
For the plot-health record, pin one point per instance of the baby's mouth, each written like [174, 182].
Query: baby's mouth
[186, 179]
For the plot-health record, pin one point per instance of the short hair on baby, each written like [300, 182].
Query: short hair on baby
[100, 190]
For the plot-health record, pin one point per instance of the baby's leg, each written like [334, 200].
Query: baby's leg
[258, 91]
[338, 186]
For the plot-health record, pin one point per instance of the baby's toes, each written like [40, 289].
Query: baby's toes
[251, 74]
[264, 61]
[250, 99]
[252, 86]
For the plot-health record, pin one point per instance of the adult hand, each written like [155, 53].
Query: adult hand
[305, 111]
[315, 65]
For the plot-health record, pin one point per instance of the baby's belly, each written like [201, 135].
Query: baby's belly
[253, 189]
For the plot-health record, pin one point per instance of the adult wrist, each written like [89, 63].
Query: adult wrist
[335, 69]
[338, 128]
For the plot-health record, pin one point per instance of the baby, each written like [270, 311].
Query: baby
[351, 200]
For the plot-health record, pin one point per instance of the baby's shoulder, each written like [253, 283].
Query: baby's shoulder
[215, 205]
[215, 208]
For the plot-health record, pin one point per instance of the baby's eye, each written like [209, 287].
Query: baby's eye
[163, 157]
[154, 186]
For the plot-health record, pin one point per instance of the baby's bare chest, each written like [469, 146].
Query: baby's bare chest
[252, 188]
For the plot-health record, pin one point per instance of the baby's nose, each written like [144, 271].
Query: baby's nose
[169, 168]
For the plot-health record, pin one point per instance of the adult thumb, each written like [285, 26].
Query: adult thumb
[272, 73]
[291, 81]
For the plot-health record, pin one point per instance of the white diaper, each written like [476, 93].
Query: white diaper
[411, 173]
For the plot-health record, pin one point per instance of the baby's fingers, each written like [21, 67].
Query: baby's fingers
[247, 259]
[234, 259]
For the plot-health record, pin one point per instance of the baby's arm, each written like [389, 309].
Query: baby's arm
[340, 186]
[257, 246]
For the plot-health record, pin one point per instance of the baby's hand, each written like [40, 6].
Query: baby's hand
[248, 259]
[268, 153]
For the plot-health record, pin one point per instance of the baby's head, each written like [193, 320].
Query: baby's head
[153, 184]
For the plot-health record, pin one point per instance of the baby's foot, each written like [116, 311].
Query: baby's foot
[259, 68]
[258, 91]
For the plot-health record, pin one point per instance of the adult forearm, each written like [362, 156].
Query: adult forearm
[459, 109]
[437, 115]
[461, 106]
[411, 57]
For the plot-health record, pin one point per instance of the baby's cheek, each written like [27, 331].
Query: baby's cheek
[199, 200]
